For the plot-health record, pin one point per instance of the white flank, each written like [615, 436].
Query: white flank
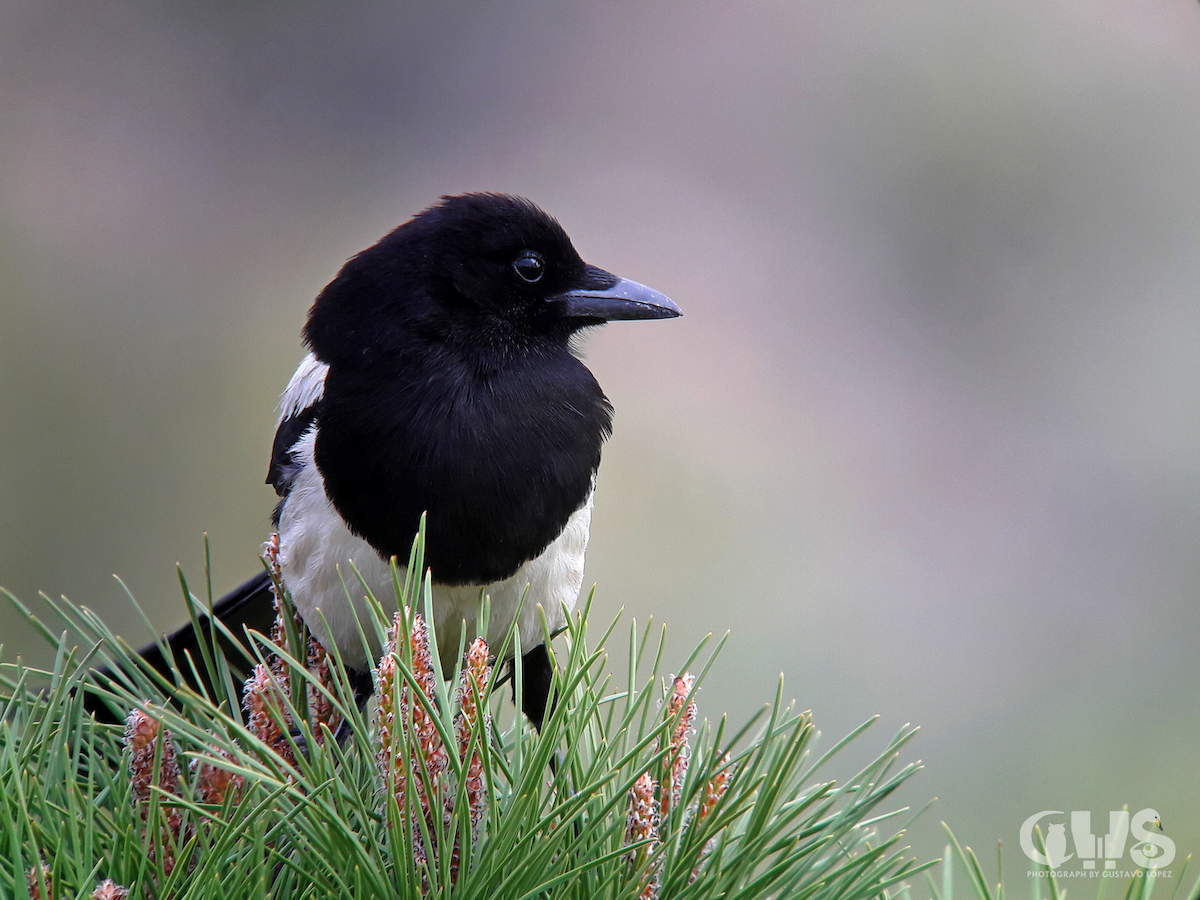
[315, 546]
[553, 579]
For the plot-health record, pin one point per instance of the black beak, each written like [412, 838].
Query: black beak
[606, 297]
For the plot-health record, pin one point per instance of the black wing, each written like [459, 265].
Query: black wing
[284, 468]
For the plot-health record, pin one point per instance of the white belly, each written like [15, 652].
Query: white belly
[315, 547]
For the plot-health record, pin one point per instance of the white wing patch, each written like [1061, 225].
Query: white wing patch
[306, 387]
[315, 547]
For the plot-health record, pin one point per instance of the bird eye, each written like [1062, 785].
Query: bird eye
[529, 268]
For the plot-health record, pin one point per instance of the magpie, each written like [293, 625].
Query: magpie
[442, 379]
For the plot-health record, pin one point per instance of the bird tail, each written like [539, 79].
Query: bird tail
[250, 605]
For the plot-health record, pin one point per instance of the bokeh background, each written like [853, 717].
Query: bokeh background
[927, 439]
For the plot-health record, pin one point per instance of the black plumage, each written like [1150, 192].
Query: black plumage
[442, 381]
[452, 388]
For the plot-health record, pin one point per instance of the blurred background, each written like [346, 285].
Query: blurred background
[927, 439]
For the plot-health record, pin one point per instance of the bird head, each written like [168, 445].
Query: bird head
[476, 271]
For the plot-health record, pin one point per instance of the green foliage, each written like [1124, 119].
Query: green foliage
[1044, 885]
[315, 821]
